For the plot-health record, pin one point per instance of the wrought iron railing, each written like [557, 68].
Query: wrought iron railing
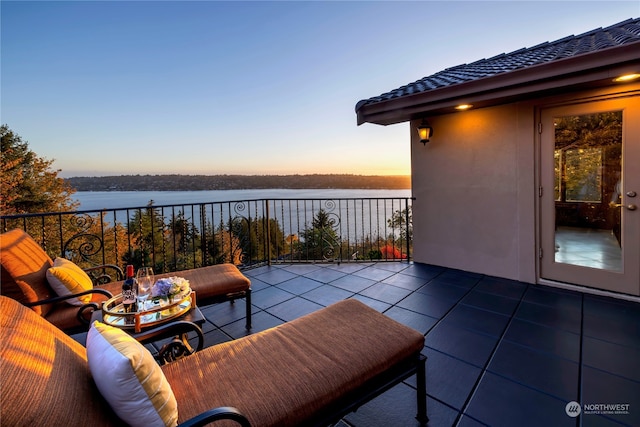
[246, 233]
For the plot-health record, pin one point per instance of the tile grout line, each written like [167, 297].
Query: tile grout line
[461, 412]
[488, 362]
[580, 361]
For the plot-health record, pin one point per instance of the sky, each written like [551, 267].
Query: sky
[245, 87]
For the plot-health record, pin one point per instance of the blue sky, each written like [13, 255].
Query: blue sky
[212, 87]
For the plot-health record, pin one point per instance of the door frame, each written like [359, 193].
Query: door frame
[596, 280]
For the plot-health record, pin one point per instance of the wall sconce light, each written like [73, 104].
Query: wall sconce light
[425, 131]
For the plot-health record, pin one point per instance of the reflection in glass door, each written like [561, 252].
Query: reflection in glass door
[587, 157]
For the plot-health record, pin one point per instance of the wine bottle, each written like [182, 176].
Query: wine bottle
[129, 291]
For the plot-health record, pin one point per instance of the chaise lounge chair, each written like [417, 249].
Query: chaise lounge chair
[311, 371]
[24, 266]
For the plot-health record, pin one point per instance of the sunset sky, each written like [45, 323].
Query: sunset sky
[213, 87]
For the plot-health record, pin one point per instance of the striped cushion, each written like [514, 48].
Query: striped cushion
[45, 377]
[24, 270]
[129, 378]
[66, 278]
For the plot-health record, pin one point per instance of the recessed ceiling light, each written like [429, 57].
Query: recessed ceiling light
[463, 106]
[627, 78]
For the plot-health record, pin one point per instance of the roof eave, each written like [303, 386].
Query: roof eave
[588, 70]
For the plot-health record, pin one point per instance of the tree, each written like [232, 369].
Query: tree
[321, 241]
[255, 243]
[27, 182]
[184, 240]
[402, 222]
[147, 227]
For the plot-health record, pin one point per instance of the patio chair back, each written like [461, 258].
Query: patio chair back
[24, 266]
[45, 374]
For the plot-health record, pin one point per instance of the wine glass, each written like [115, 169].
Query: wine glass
[144, 276]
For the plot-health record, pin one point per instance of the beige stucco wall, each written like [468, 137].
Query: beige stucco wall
[475, 192]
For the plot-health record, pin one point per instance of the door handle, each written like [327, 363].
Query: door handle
[630, 207]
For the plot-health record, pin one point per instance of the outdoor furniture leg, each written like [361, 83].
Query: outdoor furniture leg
[248, 301]
[421, 384]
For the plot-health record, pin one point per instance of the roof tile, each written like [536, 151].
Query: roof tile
[622, 33]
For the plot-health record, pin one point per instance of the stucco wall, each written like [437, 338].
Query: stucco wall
[474, 185]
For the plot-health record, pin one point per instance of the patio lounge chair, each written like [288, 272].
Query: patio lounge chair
[212, 284]
[24, 266]
[310, 371]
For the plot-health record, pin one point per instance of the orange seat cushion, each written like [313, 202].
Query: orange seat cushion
[207, 282]
[285, 375]
[24, 270]
[45, 376]
[214, 280]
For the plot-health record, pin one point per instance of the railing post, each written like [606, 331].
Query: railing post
[406, 224]
[203, 234]
[268, 231]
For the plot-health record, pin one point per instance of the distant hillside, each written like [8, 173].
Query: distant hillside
[236, 182]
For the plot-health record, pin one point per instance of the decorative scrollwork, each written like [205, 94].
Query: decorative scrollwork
[105, 273]
[83, 222]
[242, 232]
[330, 243]
[333, 220]
[240, 207]
[175, 349]
[329, 205]
[330, 237]
[82, 246]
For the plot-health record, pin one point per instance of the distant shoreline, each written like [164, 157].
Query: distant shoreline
[238, 182]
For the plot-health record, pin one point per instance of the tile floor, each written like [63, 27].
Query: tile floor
[500, 352]
[588, 247]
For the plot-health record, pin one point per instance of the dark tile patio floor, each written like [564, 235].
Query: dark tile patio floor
[500, 352]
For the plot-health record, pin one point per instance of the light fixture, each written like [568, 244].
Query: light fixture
[463, 107]
[627, 78]
[425, 132]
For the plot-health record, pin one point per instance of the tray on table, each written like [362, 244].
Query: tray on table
[154, 314]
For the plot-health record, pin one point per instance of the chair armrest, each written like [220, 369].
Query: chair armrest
[99, 274]
[216, 414]
[54, 300]
[84, 311]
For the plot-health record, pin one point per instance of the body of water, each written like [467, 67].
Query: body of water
[91, 200]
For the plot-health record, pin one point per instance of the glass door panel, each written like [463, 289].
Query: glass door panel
[587, 157]
[589, 180]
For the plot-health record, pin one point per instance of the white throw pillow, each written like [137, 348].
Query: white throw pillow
[129, 378]
[66, 278]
